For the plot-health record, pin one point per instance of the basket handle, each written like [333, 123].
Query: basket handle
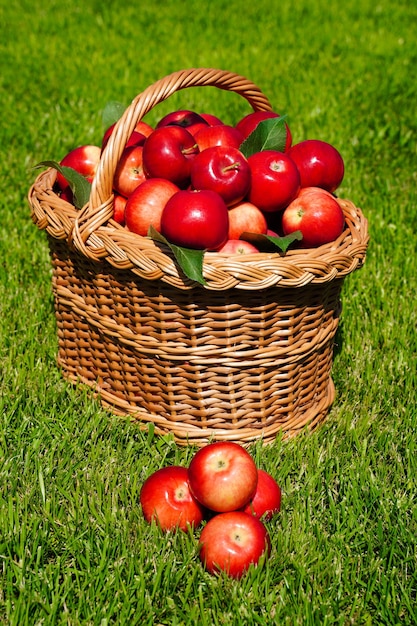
[99, 209]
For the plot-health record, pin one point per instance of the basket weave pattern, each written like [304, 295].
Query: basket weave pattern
[245, 356]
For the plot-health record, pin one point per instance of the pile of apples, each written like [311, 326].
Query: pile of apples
[193, 180]
[223, 489]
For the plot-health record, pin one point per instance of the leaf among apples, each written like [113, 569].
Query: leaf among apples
[270, 134]
[112, 112]
[271, 242]
[80, 186]
[189, 260]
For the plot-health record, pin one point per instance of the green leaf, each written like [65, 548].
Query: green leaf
[112, 112]
[189, 260]
[270, 134]
[80, 186]
[268, 241]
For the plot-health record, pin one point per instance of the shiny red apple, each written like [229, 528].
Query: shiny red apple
[275, 180]
[317, 215]
[196, 219]
[168, 153]
[246, 217]
[267, 499]
[320, 164]
[129, 172]
[223, 169]
[223, 476]
[232, 542]
[84, 159]
[119, 204]
[219, 135]
[165, 498]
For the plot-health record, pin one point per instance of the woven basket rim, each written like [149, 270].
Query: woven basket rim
[93, 232]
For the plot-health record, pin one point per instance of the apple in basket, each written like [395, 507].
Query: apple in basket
[168, 153]
[129, 172]
[190, 120]
[231, 542]
[223, 169]
[218, 135]
[223, 476]
[246, 217]
[195, 219]
[237, 246]
[275, 180]
[317, 214]
[247, 124]
[320, 164]
[165, 497]
[145, 205]
[84, 159]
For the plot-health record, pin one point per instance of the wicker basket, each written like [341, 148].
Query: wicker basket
[243, 357]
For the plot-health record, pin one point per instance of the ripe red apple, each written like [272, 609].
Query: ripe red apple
[320, 164]
[275, 180]
[168, 153]
[129, 171]
[267, 499]
[145, 205]
[223, 476]
[84, 160]
[136, 138]
[165, 497]
[219, 135]
[231, 542]
[196, 219]
[211, 119]
[248, 124]
[182, 117]
[238, 246]
[317, 215]
[246, 217]
[119, 204]
[222, 169]
[144, 128]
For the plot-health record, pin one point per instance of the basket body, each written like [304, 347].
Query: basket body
[244, 357]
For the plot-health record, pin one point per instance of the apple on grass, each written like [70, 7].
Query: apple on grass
[129, 172]
[84, 159]
[320, 164]
[223, 476]
[165, 498]
[231, 542]
[145, 205]
[223, 169]
[275, 180]
[317, 214]
[195, 219]
[267, 499]
[168, 153]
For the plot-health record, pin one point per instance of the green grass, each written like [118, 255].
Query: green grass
[74, 548]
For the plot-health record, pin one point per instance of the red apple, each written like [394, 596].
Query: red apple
[320, 164]
[267, 499]
[182, 117]
[275, 180]
[231, 542]
[165, 498]
[317, 215]
[238, 246]
[223, 476]
[220, 135]
[144, 128]
[222, 169]
[136, 138]
[129, 171]
[119, 204]
[84, 160]
[248, 124]
[211, 119]
[168, 153]
[246, 217]
[145, 205]
[196, 219]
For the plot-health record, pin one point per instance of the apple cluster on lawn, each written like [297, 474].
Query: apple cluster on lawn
[223, 489]
[202, 184]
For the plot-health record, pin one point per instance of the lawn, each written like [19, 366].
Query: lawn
[74, 548]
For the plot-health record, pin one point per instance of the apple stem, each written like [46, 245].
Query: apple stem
[232, 166]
